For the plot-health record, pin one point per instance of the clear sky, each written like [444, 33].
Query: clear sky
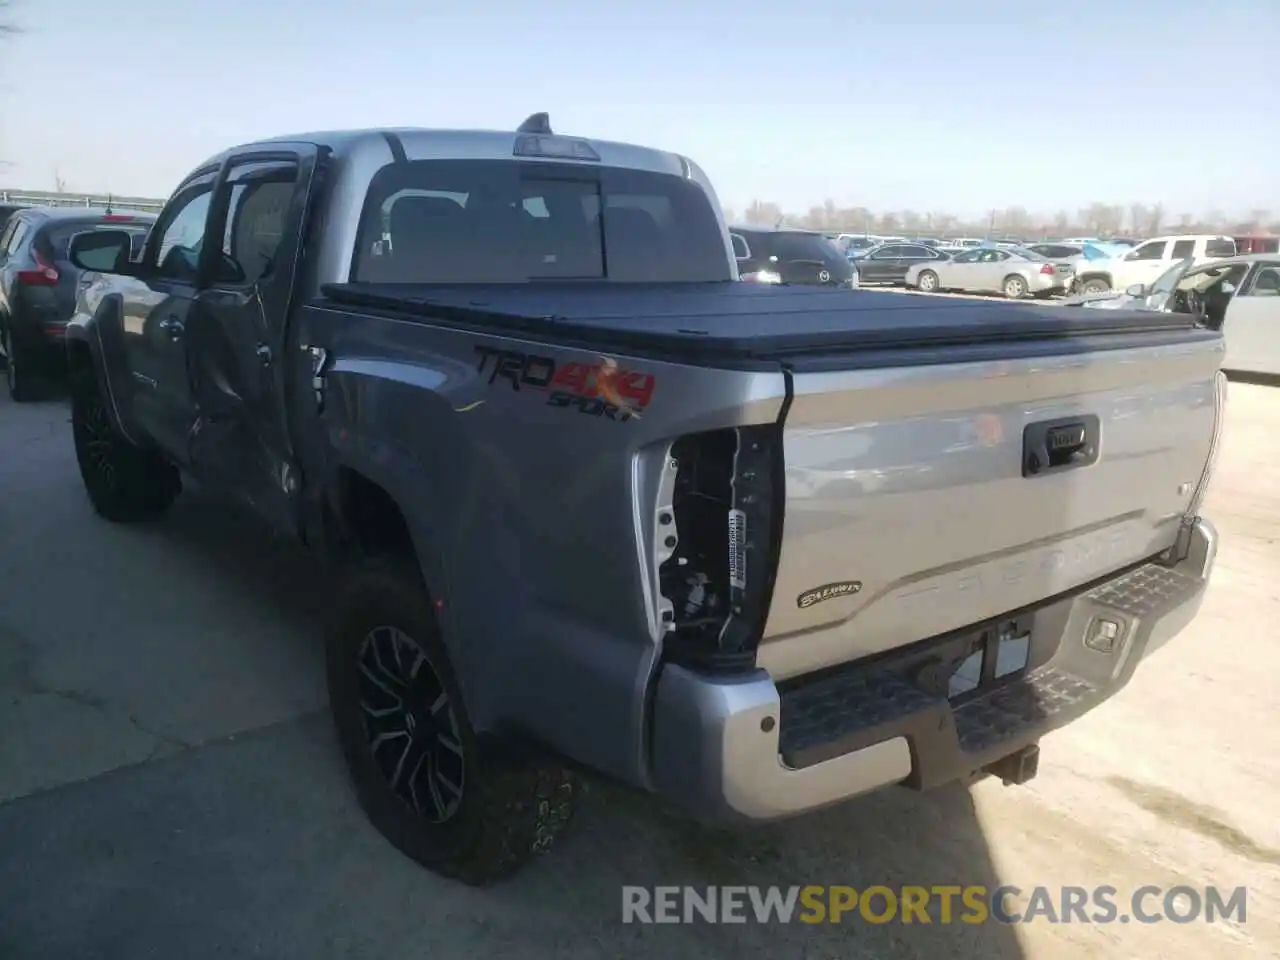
[929, 105]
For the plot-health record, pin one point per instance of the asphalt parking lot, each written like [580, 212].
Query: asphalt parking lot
[169, 787]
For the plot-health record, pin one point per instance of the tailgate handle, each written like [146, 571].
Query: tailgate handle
[1051, 446]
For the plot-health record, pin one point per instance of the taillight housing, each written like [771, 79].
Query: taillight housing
[1048, 270]
[45, 273]
[719, 534]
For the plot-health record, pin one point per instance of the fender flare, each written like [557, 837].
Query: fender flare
[95, 347]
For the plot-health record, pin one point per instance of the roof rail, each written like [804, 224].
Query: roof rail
[536, 123]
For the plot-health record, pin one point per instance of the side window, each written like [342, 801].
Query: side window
[1266, 283]
[18, 232]
[6, 235]
[180, 234]
[1183, 249]
[968, 256]
[1148, 251]
[888, 253]
[258, 205]
[740, 248]
[1220, 247]
[918, 253]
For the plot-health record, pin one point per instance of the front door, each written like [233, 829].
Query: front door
[155, 308]
[883, 266]
[238, 367]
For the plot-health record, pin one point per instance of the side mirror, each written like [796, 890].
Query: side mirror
[1135, 290]
[103, 251]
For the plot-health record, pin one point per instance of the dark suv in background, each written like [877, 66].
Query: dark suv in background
[39, 286]
[790, 256]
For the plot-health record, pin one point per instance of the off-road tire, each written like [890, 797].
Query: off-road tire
[125, 483]
[514, 800]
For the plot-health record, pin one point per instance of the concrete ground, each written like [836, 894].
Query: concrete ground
[169, 787]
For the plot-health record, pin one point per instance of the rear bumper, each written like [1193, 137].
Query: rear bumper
[42, 346]
[743, 750]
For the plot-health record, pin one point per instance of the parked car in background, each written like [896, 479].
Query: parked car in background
[39, 285]
[1015, 272]
[1148, 260]
[890, 262]
[1240, 295]
[790, 256]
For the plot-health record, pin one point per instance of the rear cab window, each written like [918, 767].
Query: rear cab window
[513, 221]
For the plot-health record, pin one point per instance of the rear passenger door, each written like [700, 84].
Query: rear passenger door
[241, 375]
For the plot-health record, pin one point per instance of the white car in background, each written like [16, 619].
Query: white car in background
[1147, 261]
[1239, 294]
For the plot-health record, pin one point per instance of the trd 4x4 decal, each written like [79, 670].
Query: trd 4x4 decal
[601, 389]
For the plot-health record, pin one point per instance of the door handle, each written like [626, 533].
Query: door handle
[173, 326]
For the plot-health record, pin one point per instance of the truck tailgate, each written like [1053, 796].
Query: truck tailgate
[909, 493]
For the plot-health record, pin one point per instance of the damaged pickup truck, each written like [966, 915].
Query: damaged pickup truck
[753, 549]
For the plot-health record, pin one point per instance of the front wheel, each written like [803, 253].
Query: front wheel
[456, 803]
[927, 281]
[1095, 286]
[125, 483]
[1015, 288]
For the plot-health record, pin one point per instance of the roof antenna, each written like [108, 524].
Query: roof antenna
[536, 123]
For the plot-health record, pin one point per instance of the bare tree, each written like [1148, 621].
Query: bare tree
[1097, 219]
[59, 182]
[1155, 219]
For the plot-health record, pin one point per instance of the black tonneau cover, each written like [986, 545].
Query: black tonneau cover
[747, 321]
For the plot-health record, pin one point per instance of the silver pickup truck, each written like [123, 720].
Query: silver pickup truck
[757, 549]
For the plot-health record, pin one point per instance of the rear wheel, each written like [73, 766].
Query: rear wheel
[1015, 288]
[1095, 285]
[125, 483]
[456, 803]
[17, 372]
[927, 281]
